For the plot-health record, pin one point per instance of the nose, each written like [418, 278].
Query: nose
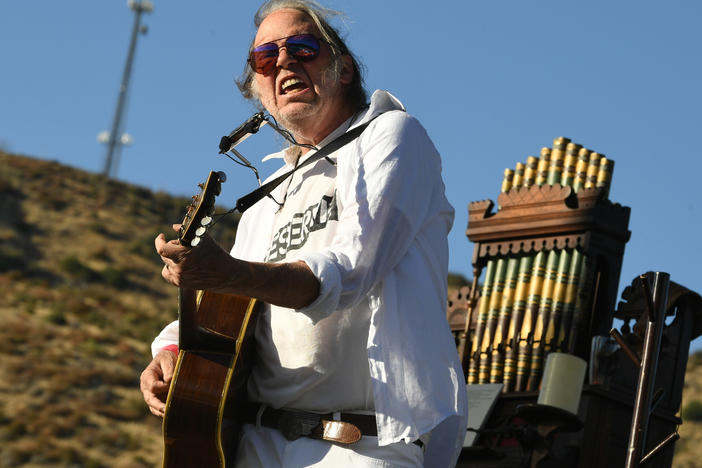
[284, 58]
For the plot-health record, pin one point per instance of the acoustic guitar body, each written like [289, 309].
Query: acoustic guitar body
[201, 424]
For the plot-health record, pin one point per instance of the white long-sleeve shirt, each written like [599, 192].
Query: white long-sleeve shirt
[373, 229]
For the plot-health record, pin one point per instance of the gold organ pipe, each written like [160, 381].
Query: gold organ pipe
[518, 180]
[581, 169]
[593, 169]
[491, 322]
[569, 163]
[604, 175]
[538, 271]
[543, 166]
[483, 307]
[559, 301]
[542, 318]
[519, 307]
[507, 180]
[555, 170]
[506, 314]
[530, 171]
[571, 294]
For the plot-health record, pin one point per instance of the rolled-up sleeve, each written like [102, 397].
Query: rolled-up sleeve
[386, 187]
[167, 337]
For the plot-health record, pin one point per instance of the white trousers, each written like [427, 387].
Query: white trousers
[265, 447]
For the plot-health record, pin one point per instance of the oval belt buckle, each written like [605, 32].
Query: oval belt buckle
[294, 424]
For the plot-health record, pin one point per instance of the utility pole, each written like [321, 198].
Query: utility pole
[114, 138]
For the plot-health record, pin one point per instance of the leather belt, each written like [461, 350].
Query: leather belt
[293, 424]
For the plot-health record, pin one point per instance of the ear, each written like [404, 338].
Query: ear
[347, 70]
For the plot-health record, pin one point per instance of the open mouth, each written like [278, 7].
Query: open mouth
[292, 85]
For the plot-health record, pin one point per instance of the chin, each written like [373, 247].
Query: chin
[294, 116]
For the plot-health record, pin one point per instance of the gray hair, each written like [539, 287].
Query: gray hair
[356, 93]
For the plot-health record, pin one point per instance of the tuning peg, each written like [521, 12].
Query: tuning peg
[222, 176]
[194, 242]
[206, 220]
[201, 185]
[200, 231]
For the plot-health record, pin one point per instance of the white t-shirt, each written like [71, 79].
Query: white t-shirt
[308, 363]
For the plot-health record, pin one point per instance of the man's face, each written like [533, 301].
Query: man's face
[301, 95]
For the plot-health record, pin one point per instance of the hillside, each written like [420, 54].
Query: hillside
[81, 298]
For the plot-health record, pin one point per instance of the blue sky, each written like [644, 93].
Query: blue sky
[492, 81]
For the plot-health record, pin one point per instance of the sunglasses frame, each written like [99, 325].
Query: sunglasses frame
[303, 58]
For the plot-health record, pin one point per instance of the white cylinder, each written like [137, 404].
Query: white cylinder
[562, 382]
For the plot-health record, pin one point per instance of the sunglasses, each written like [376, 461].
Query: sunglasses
[304, 47]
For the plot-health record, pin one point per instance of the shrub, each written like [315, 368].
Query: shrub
[114, 277]
[57, 317]
[11, 258]
[456, 280]
[57, 314]
[102, 253]
[693, 411]
[77, 270]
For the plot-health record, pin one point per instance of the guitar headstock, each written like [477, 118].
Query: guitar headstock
[200, 211]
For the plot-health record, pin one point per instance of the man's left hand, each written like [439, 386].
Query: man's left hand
[198, 267]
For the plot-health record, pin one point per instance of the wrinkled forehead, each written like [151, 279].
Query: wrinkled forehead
[283, 23]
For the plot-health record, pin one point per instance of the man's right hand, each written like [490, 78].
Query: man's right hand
[156, 379]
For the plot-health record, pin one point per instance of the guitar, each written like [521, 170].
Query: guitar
[216, 351]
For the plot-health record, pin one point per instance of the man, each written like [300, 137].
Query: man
[350, 255]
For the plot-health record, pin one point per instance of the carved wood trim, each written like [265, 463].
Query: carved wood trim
[546, 211]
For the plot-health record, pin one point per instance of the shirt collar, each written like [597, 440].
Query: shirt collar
[381, 101]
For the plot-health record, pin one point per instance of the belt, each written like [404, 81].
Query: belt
[346, 428]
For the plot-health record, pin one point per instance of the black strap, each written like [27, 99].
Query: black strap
[247, 201]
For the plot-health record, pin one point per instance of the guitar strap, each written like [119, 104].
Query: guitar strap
[247, 201]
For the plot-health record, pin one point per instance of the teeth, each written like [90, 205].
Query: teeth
[290, 82]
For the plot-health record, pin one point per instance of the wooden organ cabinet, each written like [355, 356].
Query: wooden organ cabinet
[539, 230]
